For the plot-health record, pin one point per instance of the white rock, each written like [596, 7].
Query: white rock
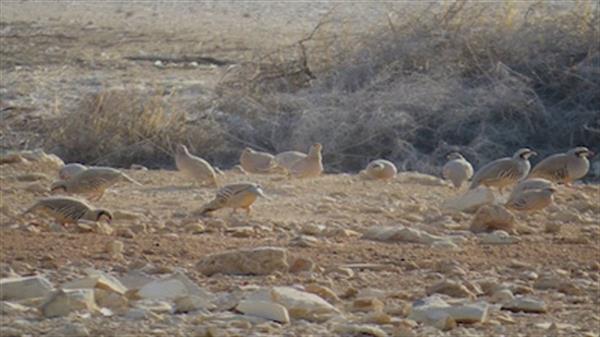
[172, 287]
[502, 296]
[497, 238]
[489, 218]
[135, 279]
[18, 288]
[269, 310]
[400, 233]
[256, 261]
[299, 304]
[359, 330]
[471, 200]
[421, 179]
[62, 302]
[433, 309]
[12, 309]
[97, 279]
[526, 304]
[163, 289]
[71, 330]
[192, 303]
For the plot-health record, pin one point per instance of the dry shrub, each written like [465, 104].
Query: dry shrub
[484, 79]
[121, 127]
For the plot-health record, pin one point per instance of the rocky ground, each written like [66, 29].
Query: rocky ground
[332, 256]
[336, 255]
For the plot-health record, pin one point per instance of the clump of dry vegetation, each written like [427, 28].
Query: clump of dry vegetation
[482, 78]
[121, 127]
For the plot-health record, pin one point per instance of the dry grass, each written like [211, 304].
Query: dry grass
[121, 127]
[484, 79]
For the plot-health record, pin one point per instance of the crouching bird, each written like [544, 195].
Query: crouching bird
[67, 210]
[240, 195]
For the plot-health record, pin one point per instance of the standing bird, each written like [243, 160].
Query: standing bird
[257, 162]
[93, 182]
[380, 169]
[69, 210]
[287, 159]
[564, 167]
[531, 200]
[241, 195]
[195, 167]
[311, 165]
[457, 169]
[69, 170]
[504, 171]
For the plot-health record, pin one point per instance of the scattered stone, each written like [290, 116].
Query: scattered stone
[450, 288]
[497, 238]
[18, 288]
[71, 330]
[36, 187]
[126, 215]
[195, 228]
[367, 305]
[502, 296]
[471, 200]
[265, 309]
[490, 218]
[526, 304]
[434, 311]
[400, 233]
[64, 301]
[553, 227]
[138, 167]
[11, 158]
[324, 292]
[125, 233]
[420, 179]
[255, 261]
[304, 241]
[97, 279]
[299, 304]
[359, 330]
[302, 265]
[12, 309]
[115, 248]
[191, 303]
[558, 283]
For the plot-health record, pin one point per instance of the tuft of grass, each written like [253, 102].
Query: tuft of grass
[122, 127]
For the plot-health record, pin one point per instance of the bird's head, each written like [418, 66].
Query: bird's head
[524, 153]
[581, 152]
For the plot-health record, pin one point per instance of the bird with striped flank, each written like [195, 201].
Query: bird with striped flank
[564, 168]
[69, 210]
[240, 195]
[92, 182]
[504, 171]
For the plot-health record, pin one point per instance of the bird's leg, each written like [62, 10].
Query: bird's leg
[248, 209]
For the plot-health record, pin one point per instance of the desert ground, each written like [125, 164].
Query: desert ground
[335, 255]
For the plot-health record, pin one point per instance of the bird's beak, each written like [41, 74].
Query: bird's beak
[262, 193]
[591, 153]
[533, 153]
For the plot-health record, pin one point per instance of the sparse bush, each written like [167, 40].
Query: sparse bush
[121, 127]
[481, 78]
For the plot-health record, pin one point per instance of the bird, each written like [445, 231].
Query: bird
[69, 170]
[257, 162]
[457, 169]
[530, 184]
[380, 169]
[531, 200]
[93, 182]
[195, 167]
[311, 165]
[564, 167]
[69, 210]
[504, 171]
[239, 195]
[287, 159]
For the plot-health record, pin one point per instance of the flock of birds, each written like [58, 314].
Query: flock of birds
[533, 191]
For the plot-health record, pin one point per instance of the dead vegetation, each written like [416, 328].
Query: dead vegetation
[483, 79]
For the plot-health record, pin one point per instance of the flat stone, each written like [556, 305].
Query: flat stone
[490, 218]
[451, 288]
[192, 303]
[434, 311]
[300, 304]
[71, 330]
[265, 309]
[64, 301]
[498, 237]
[255, 261]
[400, 234]
[471, 200]
[348, 329]
[526, 304]
[18, 288]
[97, 279]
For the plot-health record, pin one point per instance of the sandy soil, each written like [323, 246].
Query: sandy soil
[54, 52]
